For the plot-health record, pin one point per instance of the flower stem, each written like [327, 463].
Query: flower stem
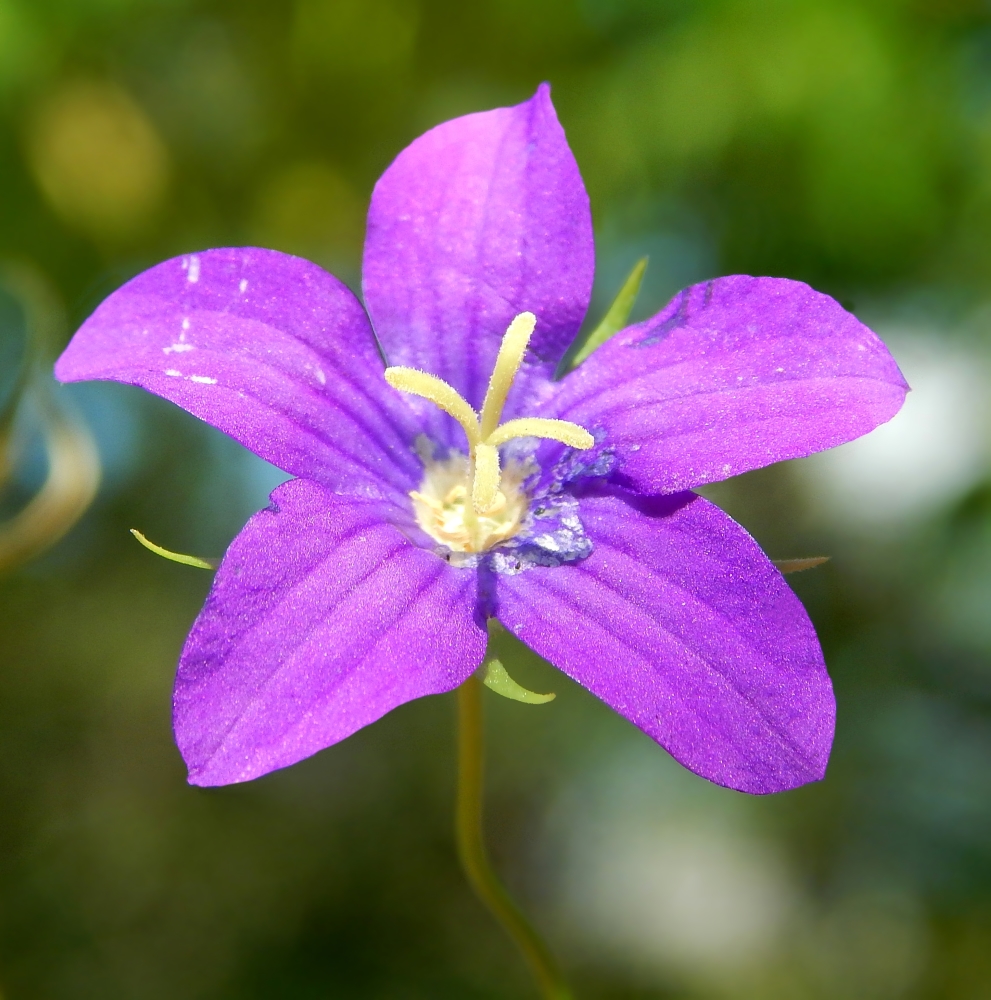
[471, 846]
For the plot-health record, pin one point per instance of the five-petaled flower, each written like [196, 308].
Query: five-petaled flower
[466, 483]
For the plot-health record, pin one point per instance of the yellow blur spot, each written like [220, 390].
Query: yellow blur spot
[310, 210]
[98, 159]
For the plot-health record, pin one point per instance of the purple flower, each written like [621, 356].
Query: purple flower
[566, 513]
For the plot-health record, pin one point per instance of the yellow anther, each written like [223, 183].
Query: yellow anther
[485, 488]
[542, 427]
[508, 362]
[418, 383]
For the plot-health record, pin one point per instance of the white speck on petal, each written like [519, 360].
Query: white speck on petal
[185, 323]
[173, 373]
[203, 379]
[180, 345]
[193, 274]
[727, 469]
[243, 287]
[321, 378]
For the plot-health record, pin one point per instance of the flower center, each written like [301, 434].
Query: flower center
[471, 503]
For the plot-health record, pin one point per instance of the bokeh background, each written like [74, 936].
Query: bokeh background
[843, 142]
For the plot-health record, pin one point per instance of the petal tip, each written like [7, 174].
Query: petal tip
[542, 105]
[215, 771]
[199, 781]
[765, 780]
[61, 371]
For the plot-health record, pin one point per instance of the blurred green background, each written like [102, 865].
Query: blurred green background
[844, 143]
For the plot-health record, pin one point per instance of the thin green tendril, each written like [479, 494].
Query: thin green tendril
[174, 556]
[471, 846]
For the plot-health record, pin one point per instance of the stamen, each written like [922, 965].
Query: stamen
[418, 383]
[434, 505]
[467, 502]
[485, 489]
[508, 362]
[542, 427]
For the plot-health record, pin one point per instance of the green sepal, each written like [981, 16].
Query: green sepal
[613, 321]
[497, 679]
[174, 556]
[799, 565]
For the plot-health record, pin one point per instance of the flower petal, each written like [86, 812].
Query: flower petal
[271, 349]
[680, 623]
[480, 219]
[732, 375]
[322, 618]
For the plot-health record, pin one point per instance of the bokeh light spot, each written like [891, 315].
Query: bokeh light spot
[98, 159]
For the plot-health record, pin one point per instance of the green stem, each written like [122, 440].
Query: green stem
[471, 845]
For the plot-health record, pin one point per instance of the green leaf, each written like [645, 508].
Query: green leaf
[498, 680]
[799, 565]
[174, 556]
[614, 319]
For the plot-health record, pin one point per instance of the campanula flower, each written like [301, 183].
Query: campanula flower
[458, 480]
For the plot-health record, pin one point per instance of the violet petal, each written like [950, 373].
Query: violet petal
[732, 375]
[269, 348]
[680, 623]
[480, 219]
[322, 618]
